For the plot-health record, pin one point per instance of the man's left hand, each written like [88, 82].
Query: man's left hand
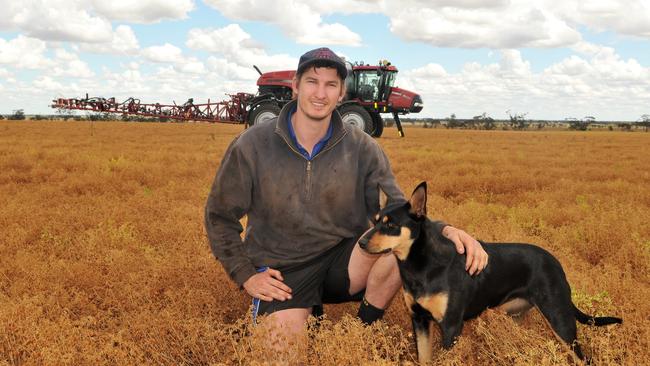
[477, 258]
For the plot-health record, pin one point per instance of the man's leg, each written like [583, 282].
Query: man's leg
[286, 336]
[288, 321]
[379, 275]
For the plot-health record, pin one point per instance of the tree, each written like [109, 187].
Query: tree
[580, 124]
[645, 122]
[625, 126]
[64, 113]
[99, 116]
[452, 122]
[18, 115]
[484, 121]
[518, 120]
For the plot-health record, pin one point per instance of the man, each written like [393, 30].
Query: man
[309, 185]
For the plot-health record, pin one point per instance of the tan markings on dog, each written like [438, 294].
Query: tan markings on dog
[516, 306]
[401, 244]
[383, 198]
[436, 304]
[403, 247]
[377, 217]
[408, 300]
[385, 219]
[425, 348]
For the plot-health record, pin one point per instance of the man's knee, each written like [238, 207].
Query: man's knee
[288, 321]
[359, 268]
[385, 273]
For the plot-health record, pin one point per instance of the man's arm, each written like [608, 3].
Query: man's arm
[379, 174]
[228, 202]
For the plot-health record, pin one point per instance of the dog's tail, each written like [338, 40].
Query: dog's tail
[593, 320]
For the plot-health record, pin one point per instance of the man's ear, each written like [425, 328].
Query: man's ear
[418, 200]
[294, 85]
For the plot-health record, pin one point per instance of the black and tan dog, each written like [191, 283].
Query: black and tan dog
[437, 287]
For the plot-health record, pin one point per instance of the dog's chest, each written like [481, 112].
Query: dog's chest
[434, 304]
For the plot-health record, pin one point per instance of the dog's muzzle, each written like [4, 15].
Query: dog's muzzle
[365, 238]
[363, 242]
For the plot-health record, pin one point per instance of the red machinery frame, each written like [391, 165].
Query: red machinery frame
[227, 111]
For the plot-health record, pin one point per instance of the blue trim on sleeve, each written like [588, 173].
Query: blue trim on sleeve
[256, 301]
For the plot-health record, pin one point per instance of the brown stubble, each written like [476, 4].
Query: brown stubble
[104, 260]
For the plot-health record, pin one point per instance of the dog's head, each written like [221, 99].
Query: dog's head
[397, 225]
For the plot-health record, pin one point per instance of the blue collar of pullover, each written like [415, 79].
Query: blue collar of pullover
[317, 148]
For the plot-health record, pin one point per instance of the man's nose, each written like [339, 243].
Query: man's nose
[320, 92]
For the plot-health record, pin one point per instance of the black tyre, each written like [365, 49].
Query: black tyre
[357, 116]
[379, 124]
[263, 112]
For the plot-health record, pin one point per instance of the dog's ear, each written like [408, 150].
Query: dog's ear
[418, 200]
[383, 198]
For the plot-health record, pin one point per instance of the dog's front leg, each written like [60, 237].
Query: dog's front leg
[421, 329]
[450, 327]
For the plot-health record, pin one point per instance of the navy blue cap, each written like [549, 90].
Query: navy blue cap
[323, 54]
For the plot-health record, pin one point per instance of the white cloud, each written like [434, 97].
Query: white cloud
[143, 11]
[46, 83]
[57, 20]
[298, 20]
[503, 24]
[193, 66]
[68, 21]
[346, 6]
[497, 24]
[171, 54]
[225, 69]
[166, 53]
[29, 53]
[123, 42]
[70, 65]
[24, 53]
[5, 74]
[54, 35]
[572, 87]
[631, 17]
[238, 47]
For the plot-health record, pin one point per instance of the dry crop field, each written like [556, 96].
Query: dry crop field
[104, 259]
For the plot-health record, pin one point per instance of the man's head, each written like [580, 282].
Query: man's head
[321, 57]
[319, 84]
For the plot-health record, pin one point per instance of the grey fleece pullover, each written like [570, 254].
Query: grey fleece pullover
[296, 209]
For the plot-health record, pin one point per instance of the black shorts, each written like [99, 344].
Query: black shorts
[323, 280]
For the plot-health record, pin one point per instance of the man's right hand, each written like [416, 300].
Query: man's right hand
[268, 286]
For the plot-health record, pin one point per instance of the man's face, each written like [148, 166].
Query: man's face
[318, 90]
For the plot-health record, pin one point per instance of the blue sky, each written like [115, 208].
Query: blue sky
[553, 60]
